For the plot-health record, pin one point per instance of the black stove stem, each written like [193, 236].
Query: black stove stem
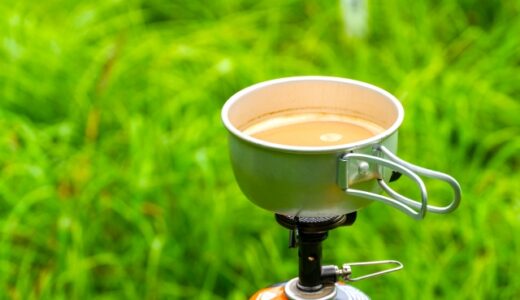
[308, 234]
[309, 254]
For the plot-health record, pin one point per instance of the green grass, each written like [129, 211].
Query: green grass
[115, 181]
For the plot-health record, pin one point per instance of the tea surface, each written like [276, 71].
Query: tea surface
[313, 129]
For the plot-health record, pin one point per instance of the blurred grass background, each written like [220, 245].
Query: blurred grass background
[115, 181]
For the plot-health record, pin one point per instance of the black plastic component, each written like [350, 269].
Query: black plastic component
[395, 175]
[309, 254]
[308, 234]
[293, 238]
[329, 275]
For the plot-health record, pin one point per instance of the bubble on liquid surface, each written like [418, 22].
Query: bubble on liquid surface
[331, 137]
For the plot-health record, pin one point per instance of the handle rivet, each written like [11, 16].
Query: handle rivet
[363, 167]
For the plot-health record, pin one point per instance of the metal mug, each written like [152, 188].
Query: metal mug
[326, 180]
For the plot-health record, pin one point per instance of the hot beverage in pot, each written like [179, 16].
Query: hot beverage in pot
[312, 129]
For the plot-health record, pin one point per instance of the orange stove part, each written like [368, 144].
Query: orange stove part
[270, 293]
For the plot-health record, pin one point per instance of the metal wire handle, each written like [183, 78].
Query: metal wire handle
[426, 173]
[397, 201]
[413, 208]
[346, 271]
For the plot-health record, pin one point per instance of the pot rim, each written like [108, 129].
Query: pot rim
[311, 149]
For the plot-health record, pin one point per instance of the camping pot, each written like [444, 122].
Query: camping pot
[321, 181]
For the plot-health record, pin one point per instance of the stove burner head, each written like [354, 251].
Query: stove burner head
[315, 224]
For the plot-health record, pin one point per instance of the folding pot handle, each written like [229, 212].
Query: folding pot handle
[426, 173]
[398, 201]
[413, 208]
